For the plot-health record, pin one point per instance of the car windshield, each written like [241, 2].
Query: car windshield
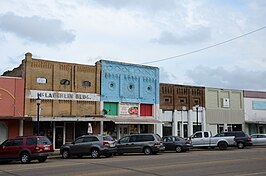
[158, 137]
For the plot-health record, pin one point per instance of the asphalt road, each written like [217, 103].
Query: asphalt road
[232, 162]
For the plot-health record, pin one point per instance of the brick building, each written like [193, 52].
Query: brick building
[182, 109]
[70, 97]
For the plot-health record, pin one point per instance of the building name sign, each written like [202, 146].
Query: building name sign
[55, 95]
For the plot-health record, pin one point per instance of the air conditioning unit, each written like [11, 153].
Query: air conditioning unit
[226, 103]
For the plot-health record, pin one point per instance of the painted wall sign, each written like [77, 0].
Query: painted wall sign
[41, 80]
[258, 105]
[128, 109]
[54, 95]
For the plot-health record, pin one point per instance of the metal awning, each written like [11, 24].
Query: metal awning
[134, 120]
[71, 119]
[256, 122]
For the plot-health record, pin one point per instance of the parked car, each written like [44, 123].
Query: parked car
[242, 139]
[94, 145]
[140, 143]
[202, 139]
[258, 139]
[175, 143]
[25, 149]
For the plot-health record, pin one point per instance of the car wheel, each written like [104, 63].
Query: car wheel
[222, 146]
[178, 149]
[147, 150]
[65, 154]
[240, 145]
[42, 159]
[95, 153]
[25, 158]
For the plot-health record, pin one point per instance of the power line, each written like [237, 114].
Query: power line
[205, 48]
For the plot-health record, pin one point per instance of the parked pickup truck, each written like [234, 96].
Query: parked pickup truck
[205, 139]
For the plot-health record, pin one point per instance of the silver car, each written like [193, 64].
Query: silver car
[258, 139]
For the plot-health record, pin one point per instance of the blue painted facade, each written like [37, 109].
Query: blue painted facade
[123, 82]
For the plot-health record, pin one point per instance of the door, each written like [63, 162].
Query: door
[169, 143]
[10, 149]
[59, 132]
[185, 132]
[124, 131]
[197, 139]
[123, 145]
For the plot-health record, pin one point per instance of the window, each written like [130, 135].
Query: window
[31, 141]
[91, 139]
[65, 82]
[220, 128]
[206, 134]
[197, 135]
[79, 140]
[43, 140]
[86, 84]
[124, 140]
[131, 87]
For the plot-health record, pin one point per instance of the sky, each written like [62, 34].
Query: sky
[143, 32]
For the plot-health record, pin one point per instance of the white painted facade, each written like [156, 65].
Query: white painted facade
[180, 119]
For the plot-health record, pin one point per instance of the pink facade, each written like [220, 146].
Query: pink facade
[11, 97]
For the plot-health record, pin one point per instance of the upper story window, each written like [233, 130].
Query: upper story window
[86, 84]
[65, 82]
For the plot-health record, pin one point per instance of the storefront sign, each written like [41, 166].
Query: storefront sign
[54, 95]
[128, 109]
[258, 105]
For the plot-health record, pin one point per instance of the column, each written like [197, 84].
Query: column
[182, 125]
[118, 131]
[20, 127]
[204, 128]
[101, 127]
[190, 122]
[174, 123]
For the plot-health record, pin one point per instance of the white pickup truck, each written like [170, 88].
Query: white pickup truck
[202, 139]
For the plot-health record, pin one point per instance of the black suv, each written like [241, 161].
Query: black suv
[242, 139]
[94, 145]
[140, 143]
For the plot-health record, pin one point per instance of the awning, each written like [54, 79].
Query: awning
[256, 122]
[134, 120]
[71, 119]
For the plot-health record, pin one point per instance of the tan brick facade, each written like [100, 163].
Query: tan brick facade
[54, 72]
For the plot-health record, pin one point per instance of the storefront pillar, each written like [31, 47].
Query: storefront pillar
[21, 127]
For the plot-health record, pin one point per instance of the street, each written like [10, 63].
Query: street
[237, 162]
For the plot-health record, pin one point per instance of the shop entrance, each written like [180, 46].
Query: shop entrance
[124, 131]
[59, 132]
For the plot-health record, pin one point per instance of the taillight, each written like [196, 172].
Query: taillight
[106, 143]
[188, 142]
[249, 139]
[157, 143]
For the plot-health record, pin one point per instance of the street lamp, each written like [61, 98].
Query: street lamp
[38, 102]
[197, 111]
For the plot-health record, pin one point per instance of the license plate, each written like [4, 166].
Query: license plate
[46, 147]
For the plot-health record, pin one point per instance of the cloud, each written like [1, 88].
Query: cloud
[238, 78]
[36, 29]
[166, 77]
[189, 37]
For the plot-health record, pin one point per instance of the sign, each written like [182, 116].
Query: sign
[55, 95]
[41, 80]
[128, 109]
[258, 105]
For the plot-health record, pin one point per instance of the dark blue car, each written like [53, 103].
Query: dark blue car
[176, 143]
